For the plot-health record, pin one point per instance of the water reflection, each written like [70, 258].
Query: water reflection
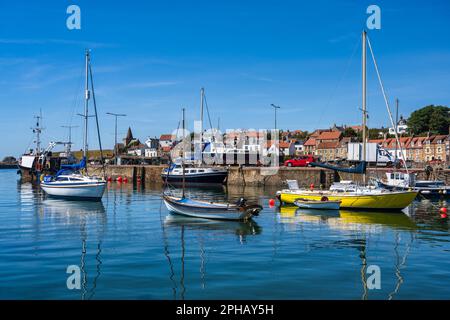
[91, 219]
[240, 229]
[362, 224]
[347, 219]
[196, 258]
[199, 226]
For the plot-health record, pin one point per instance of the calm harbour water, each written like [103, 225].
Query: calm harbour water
[130, 247]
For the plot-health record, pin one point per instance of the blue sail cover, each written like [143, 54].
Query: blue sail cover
[72, 167]
[360, 168]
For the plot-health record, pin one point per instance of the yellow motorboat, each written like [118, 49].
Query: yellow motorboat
[376, 199]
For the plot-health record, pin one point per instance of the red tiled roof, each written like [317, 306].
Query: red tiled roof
[310, 142]
[439, 137]
[333, 135]
[317, 132]
[284, 144]
[166, 137]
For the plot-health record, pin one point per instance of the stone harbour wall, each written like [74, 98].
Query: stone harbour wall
[257, 176]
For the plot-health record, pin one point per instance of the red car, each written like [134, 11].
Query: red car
[302, 161]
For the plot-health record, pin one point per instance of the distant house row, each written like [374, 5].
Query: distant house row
[328, 144]
[418, 149]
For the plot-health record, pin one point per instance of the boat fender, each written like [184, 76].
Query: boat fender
[241, 202]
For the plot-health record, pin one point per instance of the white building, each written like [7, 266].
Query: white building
[150, 153]
[402, 127]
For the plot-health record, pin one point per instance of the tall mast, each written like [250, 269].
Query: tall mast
[86, 106]
[364, 106]
[182, 155]
[202, 99]
[396, 126]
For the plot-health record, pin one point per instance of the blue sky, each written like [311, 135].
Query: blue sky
[150, 58]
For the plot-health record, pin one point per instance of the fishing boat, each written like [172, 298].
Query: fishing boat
[323, 204]
[351, 195]
[72, 181]
[240, 211]
[37, 162]
[196, 172]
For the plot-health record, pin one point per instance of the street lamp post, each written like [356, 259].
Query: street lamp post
[116, 115]
[275, 109]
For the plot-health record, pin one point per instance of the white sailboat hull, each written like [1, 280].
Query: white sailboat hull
[82, 191]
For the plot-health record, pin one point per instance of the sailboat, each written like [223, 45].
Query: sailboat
[357, 197]
[239, 211]
[72, 181]
[195, 173]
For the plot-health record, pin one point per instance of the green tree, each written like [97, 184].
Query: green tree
[433, 119]
[349, 132]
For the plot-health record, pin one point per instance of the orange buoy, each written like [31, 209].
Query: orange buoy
[271, 202]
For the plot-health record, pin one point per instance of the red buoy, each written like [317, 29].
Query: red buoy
[125, 179]
[444, 216]
[139, 180]
[119, 179]
[443, 210]
[311, 186]
[109, 179]
[271, 202]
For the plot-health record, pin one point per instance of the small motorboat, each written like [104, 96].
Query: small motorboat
[322, 204]
[240, 211]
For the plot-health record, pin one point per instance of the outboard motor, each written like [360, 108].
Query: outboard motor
[241, 202]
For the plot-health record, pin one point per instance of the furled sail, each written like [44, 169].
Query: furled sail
[360, 168]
